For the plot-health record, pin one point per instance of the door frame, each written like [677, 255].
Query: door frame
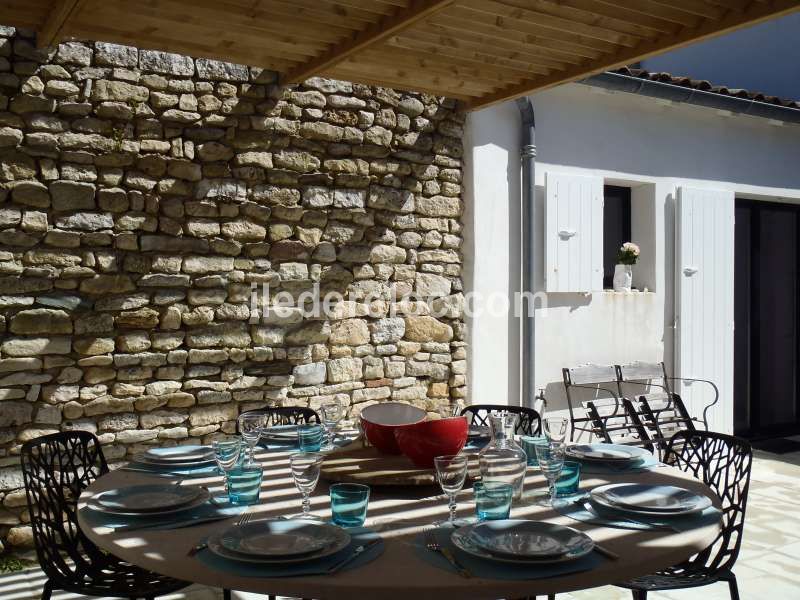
[754, 430]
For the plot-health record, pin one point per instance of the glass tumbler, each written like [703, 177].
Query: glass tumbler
[492, 500]
[244, 484]
[349, 503]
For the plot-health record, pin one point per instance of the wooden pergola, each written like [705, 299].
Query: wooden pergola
[478, 51]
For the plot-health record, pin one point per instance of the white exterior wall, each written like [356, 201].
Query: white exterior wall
[651, 146]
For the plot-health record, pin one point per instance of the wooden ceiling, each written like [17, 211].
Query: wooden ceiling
[478, 51]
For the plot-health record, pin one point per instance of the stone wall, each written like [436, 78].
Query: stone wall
[141, 196]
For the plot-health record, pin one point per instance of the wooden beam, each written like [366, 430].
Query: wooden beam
[757, 12]
[54, 27]
[373, 34]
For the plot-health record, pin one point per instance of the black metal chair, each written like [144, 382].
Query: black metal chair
[607, 415]
[529, 423]
[56, 468]
[284, 415]
[723, 462]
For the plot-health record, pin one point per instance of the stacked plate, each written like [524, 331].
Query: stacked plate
[608, 454]
[149, 500]
[177, 457]
[519, 541]
[279, 541]
[649, 500]
[281, 434]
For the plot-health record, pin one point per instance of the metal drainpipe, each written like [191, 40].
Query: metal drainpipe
[528, 158]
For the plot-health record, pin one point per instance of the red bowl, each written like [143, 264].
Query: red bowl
[425, 441]
[380, 421]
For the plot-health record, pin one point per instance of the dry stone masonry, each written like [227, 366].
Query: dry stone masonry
[143, 194]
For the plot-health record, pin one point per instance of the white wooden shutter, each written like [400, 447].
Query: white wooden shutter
[573, 233]
[704, 301]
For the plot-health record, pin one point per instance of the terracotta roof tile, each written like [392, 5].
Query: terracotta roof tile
[707, 86]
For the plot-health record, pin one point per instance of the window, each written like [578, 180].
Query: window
[616, 227]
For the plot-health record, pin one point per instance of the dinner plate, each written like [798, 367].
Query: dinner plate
[281, 432]
[661, 500]
[529, 547]
[215, 545]
[606, 453]
[282, 538]
[523, 539]
[478, 431]
[147, 498]
[202, 498]
[180, 454]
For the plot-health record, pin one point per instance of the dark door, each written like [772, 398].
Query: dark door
[767, 313]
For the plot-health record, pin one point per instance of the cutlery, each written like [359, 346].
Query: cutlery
[173, 525]
[243, 519]
[433, 545]
[605, 552]
[348, 559]
[654, 526]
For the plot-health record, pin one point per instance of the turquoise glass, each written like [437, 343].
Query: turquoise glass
[492, 500]
[349, 503]
[310, 437]
[529, 443]
[569, 480]
[244, 484]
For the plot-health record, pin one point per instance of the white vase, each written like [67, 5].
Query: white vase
[623, 277]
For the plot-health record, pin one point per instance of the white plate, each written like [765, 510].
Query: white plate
[523, 539]
[661, 500]
[218, 547]
[147, 498]
[282, 538]
[578, 544]
[180, 454]
[172, 464]
[202, 498]
[281, 432]
[607, 453]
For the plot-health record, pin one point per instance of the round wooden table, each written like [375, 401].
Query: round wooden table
[399, 514]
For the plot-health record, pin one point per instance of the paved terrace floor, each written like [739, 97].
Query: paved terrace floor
[768, 565]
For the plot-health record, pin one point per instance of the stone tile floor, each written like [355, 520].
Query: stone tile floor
[768, 566]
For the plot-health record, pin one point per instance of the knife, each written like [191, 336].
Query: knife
[173, 524]
[348, 559]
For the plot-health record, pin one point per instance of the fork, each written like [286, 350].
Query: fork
[432, 544]
[244, 519]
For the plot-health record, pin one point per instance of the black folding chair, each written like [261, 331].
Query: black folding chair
[722, 462]
[284, 415]
[529, 423]
[609, 418]
[56, 468]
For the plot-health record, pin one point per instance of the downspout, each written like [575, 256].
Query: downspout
[528, 159]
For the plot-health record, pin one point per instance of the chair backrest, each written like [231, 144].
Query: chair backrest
[600, 407]
[723, 462]
[529, 423]
[643, 374]
[285, 415]
[56, 468]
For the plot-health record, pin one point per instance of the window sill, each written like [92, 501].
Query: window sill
[631, 293]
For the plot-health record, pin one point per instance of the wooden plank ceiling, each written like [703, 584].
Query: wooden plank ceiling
[478, 51]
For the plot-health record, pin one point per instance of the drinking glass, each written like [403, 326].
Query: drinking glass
[244, 483]
[492, 500]
[251, 425]
[551, 461]
[227, 454]
[555, 428]
[529, 443]
[451, 472]
[569, 479]
[349, 504]
[332, 412]
[309, 438]
[305, 471]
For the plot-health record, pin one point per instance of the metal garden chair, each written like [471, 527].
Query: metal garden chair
[56, 468]
[722, 462]
[612, 418]
[529, 423]
[663, 413]
[285, 415]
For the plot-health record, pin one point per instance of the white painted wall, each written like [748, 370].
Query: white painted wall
[628, 140]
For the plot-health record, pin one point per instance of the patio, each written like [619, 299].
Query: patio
[767, 560]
